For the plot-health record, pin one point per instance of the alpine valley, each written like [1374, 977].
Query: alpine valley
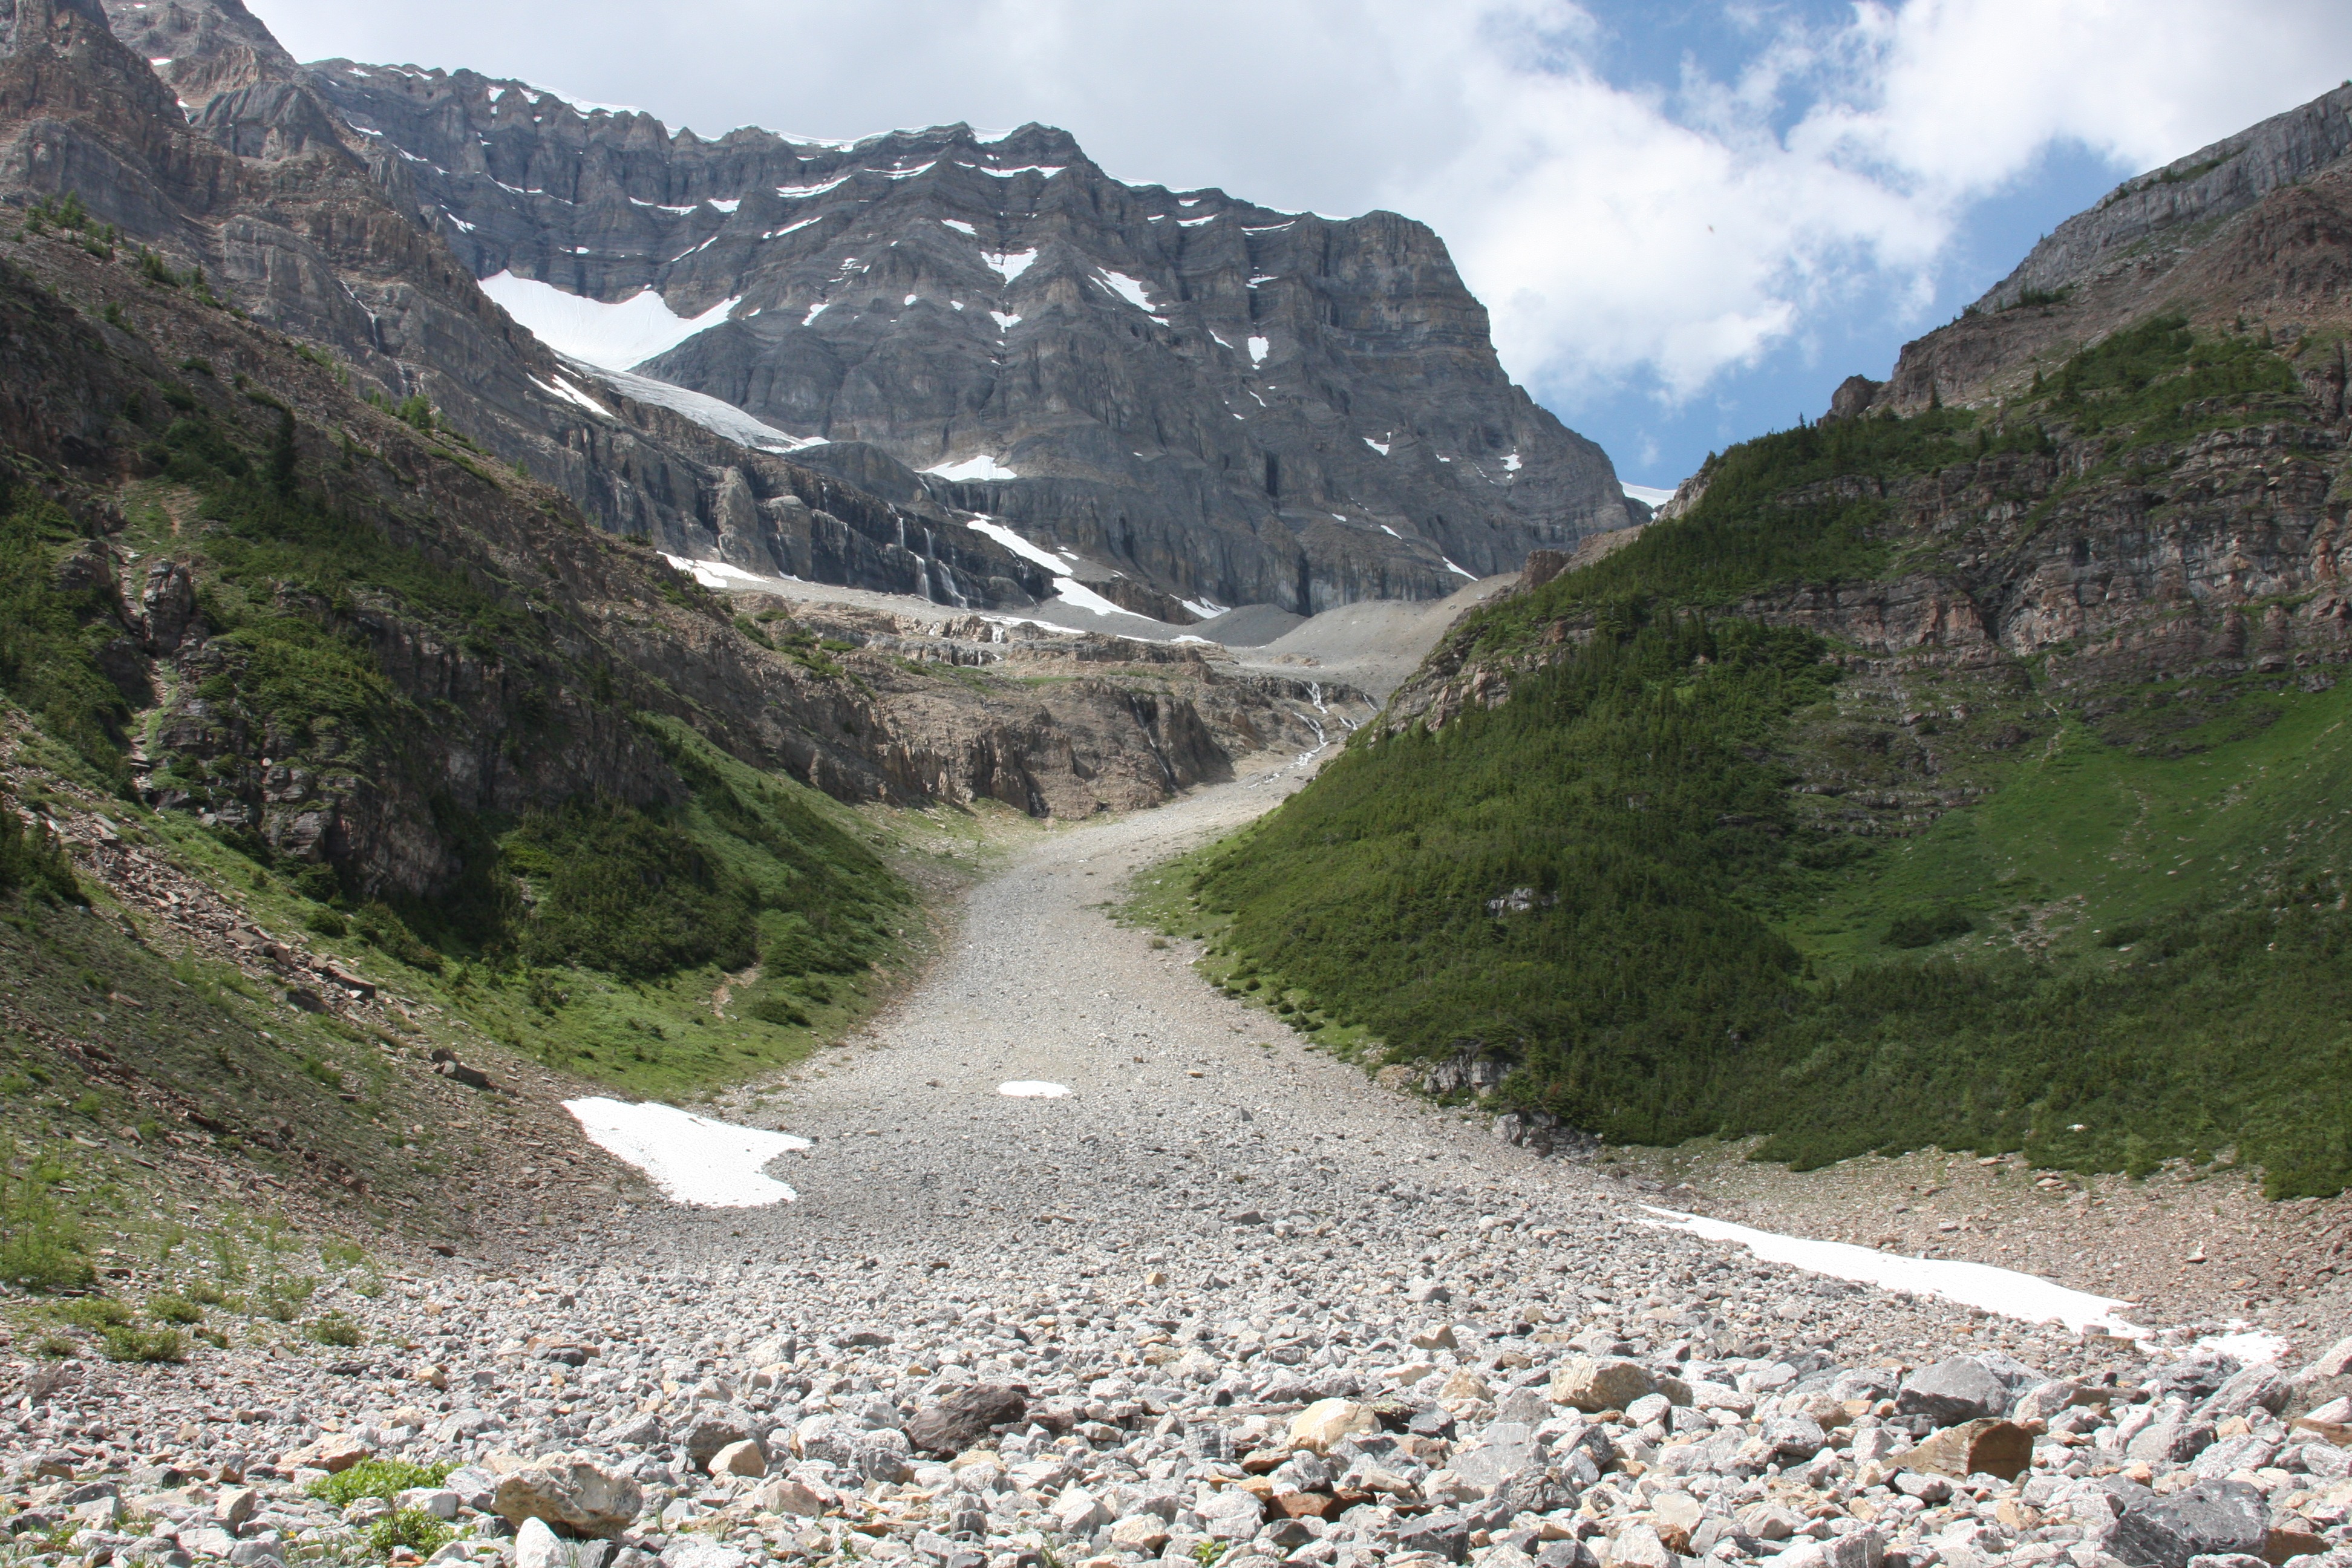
[744, 851]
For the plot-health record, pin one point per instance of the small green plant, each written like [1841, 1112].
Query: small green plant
[1207, 1551]
[326, 922]
[55, 1347]
[131, 1343]
[336, 1329]
[204, 1293]
[173, 1309]
[283, 1296]
[386, 1478]
[341, 1254]
[95, 1312]
[411, 1526]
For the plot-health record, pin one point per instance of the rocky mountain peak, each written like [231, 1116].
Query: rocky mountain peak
[1230, 403]
[2151, 214]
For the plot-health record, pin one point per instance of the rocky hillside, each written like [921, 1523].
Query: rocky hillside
[1228, 402]
[2250, 233]
[1996, 716]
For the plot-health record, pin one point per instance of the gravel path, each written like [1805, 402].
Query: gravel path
[1227, 1302]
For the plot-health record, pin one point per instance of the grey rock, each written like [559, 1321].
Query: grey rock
[1444, 1532]
[964, 1417]
[2205, 1518]
[1952, 1390]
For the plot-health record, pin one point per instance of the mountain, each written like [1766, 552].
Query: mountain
[1228, 402]
[1965, 768]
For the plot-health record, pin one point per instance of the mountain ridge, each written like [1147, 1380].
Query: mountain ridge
[1137, 320]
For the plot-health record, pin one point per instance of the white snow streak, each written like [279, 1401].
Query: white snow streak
[1379, 447]
[1005, 323]
[612, 336]
[980, 468]
[1036, 554]
[1012, 265]
[715, 415]
[571, 393]
[960, 226]
[1258, 348]
[1650, 494]
[2010, 1294]
[1128, 288]
[1457, 571]
[692, 1158]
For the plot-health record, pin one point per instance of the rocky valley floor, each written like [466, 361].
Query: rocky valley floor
[1225, 1302]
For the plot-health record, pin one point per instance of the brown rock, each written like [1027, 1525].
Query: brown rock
[2282, 1544]
[1986, 1445]
[2336, 1432]
[964, 1417]
[1307, 1505]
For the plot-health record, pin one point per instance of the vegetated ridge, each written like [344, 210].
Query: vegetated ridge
[1970, 771]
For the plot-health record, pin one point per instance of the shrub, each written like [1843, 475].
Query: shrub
[411, 1526]
[130, 1343]
[384, 1478]
[334, 1329]
[625, 892]
[1926, 928]
[40, 1246]
[173, 1309]
[95, 1312]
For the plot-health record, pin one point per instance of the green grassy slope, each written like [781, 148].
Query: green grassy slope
[2127, 943]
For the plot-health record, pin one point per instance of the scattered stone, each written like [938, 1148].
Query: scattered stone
[572, 1491]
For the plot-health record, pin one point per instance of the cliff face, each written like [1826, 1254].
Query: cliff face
[1226, 402]
[2256, 229]
[389, 639]
[2167, 211]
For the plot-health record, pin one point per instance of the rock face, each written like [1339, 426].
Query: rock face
[1226, 402]
[2256, 228]
[2144, 217]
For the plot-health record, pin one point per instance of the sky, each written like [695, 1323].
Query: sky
[1690, 219]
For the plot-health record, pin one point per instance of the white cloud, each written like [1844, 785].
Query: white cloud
[1625, 235]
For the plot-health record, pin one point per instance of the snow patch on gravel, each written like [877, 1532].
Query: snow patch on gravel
[1033, 1089]
[2005, 1291]
[692, 1158]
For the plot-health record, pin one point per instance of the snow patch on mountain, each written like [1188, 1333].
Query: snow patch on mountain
[612, 336]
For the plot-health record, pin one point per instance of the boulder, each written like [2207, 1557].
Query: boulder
[1639, 1546]
[713, 1428]
[1983, 1447]
[1950, 1392]
[1233, 1515]
[1330, 1421]
[1444, 1532]
[2201, 1520]
[743, 1458]
[1142, 1532]
[964, 1417]
[784, 1495]
[571, 1490]
[2174, 1435]
[1590, 1383]
[536, 1546]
